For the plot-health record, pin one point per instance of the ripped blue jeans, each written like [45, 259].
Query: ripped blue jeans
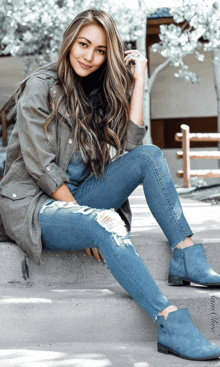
[66, 226]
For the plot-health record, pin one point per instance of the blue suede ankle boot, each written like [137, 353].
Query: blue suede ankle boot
[190, 265]
[178, 335]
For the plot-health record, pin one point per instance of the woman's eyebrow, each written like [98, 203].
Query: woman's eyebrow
[91, 42]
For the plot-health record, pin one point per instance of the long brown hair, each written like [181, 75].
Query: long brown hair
[99, 105]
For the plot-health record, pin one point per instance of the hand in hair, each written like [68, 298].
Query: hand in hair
[138, 63]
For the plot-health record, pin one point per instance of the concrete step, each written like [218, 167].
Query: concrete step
[77, 269]
[92, 354]
[78, 315]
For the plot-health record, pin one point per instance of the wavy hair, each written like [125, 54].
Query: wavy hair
[99, 105]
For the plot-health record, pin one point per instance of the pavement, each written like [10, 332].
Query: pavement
[72, 312]
[95, 355]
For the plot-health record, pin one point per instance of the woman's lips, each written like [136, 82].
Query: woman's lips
[84, 66]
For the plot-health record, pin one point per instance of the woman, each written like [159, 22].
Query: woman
[66, 174]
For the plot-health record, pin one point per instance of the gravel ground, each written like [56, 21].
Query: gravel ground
[215, 201]
[209, 194]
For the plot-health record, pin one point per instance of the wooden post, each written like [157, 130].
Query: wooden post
[186, 158]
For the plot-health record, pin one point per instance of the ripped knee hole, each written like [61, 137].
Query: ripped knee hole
[112, 222]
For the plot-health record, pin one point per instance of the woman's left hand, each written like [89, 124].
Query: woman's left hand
[96, 253]
[138, 63]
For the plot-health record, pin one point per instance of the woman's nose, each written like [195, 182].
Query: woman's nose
[88, 55]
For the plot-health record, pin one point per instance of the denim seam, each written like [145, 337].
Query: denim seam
[168, 201]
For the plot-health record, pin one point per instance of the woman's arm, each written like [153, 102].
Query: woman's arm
[136, 105]
[39, 151]
[138, 70]
[64, 194]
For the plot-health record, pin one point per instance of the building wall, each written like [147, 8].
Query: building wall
[172, 98]
[11, 75]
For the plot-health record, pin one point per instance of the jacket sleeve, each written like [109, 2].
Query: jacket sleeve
[38, 150]
[135, 135]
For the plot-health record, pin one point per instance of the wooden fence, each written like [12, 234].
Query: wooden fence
[186, 155]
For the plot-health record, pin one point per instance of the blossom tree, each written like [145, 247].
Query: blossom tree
[199, 21]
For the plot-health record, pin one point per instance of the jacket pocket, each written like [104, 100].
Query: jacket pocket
[15, 200]
[16, 192]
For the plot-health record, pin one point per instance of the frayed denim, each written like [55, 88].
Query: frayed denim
[66, 226]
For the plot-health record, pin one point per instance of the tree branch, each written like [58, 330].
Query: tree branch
[157, 71]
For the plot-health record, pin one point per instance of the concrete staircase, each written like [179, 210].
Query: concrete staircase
[72, 312]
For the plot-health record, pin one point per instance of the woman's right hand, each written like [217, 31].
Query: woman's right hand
[138, 64]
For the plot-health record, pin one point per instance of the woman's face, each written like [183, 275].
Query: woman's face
[88, 52]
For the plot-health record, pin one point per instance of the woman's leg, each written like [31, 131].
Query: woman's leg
[66, 226]
[145, 165]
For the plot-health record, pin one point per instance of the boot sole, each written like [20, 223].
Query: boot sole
[165, 350]
[175, 280]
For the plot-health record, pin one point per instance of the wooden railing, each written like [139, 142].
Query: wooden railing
[185, 137]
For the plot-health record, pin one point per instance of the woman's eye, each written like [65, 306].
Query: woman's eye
[101, 52]
[83, 44]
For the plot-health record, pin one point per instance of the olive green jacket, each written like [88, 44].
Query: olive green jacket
[36, 164]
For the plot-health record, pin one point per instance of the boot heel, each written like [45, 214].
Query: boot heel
[162, 349]
[175, 280]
